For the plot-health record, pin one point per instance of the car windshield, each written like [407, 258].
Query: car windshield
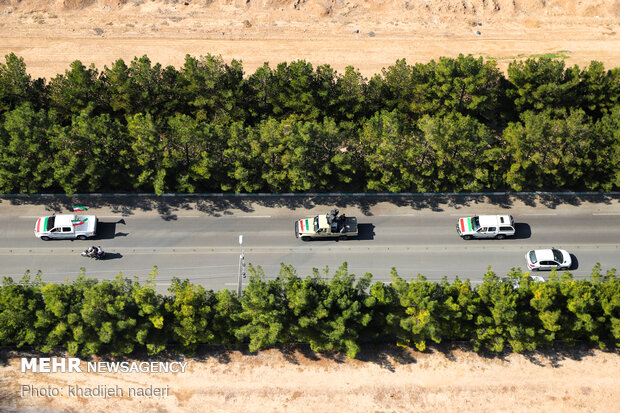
[557, 256]
[533, 257]
[50, 223]
[316, 224]
[475, 223]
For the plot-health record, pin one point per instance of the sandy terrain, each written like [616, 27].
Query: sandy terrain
[367, 34]
[386, 379]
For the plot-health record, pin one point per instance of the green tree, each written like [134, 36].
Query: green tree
[153, 320]
[423, 312]
[110, 320]
[598, 90]
[26, 161]
[212, 89]
[348, 312]
[75, 91]
[192, 153]
[542, 84]
[17, 87]
[466, 85]
[351, 100]
[394, 159]
[558, 153]
[242, 159]
[89, 154]
[148, 152]
[192, 308]
[505, 316]
[458, 146]
[299, 156]
[264, 315]
[19, 303]
[608, 295]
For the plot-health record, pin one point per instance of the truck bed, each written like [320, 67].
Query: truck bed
[350, 225]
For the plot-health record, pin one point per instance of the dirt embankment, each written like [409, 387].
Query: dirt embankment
[367, 34]
[388, 379]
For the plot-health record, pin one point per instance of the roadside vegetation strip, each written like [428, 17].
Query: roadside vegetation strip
[322, 194]
[452, 125]
[123, 316]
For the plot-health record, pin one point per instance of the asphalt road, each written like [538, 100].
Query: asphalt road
[187, 240]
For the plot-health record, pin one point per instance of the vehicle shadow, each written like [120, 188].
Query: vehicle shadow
[574, 263]
[107, 230]
[365, 232]
[522, 230]
[112, 256]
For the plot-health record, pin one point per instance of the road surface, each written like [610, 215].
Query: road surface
[198, 239]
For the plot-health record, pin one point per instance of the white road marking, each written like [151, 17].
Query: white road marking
[606, 213]
[253, 216]
[541, 214]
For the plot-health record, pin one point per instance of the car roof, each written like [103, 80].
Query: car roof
[64, 220]
[494, 220]
[544, 255]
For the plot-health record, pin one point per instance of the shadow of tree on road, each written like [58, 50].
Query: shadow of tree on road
[218, 205]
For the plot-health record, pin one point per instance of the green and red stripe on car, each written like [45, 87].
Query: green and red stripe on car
[465, 224]
[301, 225]
[44, 220]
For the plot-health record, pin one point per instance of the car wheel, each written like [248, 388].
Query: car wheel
[500, 236]
[44, 238]
[81, 237]
[467, 237]
[305, 238]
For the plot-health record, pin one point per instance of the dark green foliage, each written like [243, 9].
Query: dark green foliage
[264, 317]
[26, 162]
[19, 304]
[543, 84]
[568, 152]
[330, 314]
[451, 125]
[17, 87]
[191, 310]
[77, 90]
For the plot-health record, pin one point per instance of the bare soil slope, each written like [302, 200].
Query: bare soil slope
[386, 379]
[367, 34]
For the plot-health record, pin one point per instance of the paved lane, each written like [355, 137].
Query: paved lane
[203, 247]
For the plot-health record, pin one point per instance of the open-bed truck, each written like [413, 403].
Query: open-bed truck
[330, 225]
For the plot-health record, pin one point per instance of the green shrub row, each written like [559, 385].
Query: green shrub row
[330, 314]
[452, 125]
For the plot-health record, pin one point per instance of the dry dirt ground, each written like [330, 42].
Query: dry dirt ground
[366, 34]
[384, 379]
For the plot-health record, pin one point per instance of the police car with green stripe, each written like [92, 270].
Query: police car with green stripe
[330, 225]
[65, 226]
[486, 226]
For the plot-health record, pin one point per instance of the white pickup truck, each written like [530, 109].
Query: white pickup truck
[330, 225]
[486, 226]
[66, 226]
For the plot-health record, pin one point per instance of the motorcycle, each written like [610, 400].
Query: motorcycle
[93, 254]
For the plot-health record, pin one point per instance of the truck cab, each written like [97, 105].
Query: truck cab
[486, 226]
[65, 226]
[330, 225]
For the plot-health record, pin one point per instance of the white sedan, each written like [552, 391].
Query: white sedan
[548, 259]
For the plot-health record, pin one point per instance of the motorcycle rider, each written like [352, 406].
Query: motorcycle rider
[99, 252]
[91, 251]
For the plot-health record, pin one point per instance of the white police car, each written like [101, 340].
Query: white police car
[548, 259]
